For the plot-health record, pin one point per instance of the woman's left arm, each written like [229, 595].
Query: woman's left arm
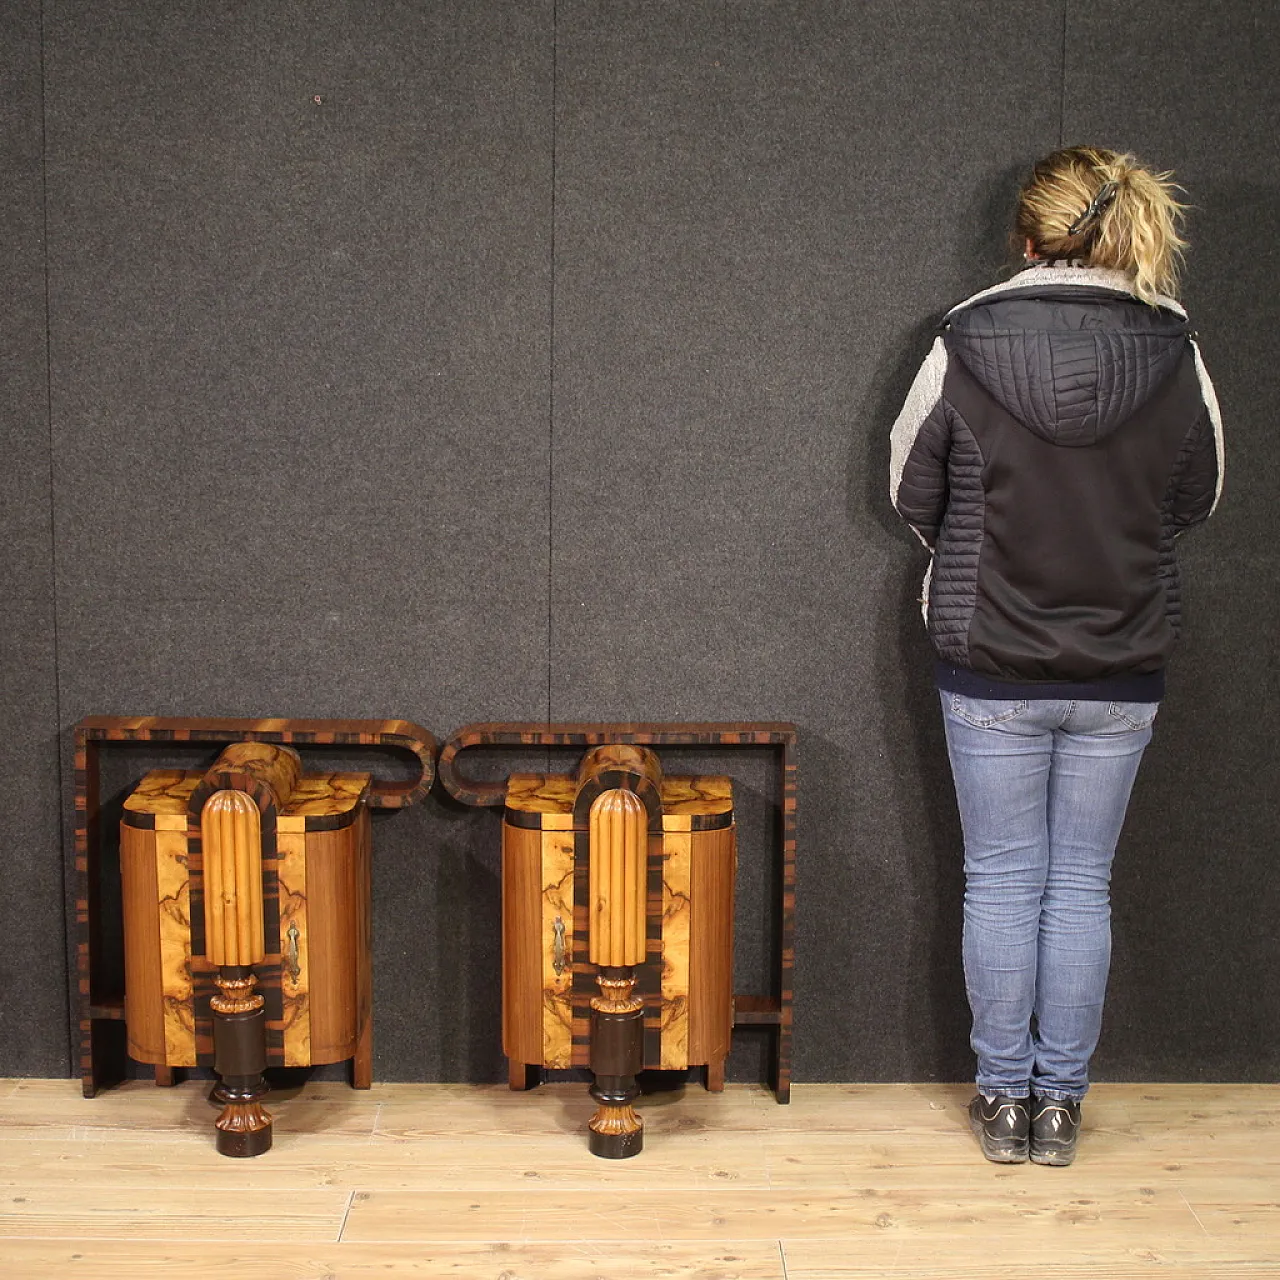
[1200, 483]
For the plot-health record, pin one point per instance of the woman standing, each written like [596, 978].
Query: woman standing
[1060, 435]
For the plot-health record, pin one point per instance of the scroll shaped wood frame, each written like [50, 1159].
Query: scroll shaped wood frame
[749, 1009]
[102, 1053]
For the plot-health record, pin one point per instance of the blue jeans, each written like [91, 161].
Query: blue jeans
[1042, 789]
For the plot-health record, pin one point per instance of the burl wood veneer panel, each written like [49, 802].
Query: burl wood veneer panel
[557, 944]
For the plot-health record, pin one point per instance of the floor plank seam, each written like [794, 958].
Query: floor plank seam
[147, 1241]
[521, 1239]
[1194, 1214]
[351, 1199]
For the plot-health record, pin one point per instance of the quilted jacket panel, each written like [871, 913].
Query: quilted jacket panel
[1060, 436]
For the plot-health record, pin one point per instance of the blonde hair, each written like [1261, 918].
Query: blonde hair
[1107, 209]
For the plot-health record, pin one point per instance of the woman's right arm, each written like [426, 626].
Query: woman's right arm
[918, 449]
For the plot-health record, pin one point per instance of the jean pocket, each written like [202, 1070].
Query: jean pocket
[986, 713]
[1136, 715]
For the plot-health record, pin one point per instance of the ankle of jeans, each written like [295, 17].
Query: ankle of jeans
[1058, 1095]
[1022, 1092]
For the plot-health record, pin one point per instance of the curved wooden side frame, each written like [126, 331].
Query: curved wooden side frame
[101, 1044]
[401, 735]
[748, 1009]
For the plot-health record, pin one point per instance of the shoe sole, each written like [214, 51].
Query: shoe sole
[1055, 1157]
[997, 1155]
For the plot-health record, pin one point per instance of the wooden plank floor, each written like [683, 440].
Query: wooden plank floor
[464, 1181]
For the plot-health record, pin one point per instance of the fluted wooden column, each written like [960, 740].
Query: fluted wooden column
[618, 872]
[234, 810]
[231, 838]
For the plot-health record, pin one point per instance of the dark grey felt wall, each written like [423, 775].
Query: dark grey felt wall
[490, 361]
[752, 223]
[32, 977]
[1197, 894]
[301, 307]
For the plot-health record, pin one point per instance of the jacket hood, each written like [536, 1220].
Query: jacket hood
[1071, 352]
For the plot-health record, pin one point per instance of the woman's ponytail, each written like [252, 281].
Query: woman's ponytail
[1107, 209]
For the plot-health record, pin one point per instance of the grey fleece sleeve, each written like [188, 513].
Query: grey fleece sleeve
[1200, 486]
[918, 447]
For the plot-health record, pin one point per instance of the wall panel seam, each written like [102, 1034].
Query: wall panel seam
[551, 360]
[1062, 98]
[53, 517]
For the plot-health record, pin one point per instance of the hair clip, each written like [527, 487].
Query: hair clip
[1095, 209]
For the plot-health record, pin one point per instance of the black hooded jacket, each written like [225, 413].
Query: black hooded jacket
[1057, 439]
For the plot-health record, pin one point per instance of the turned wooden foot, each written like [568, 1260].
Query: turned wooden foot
[240, 1055]
[617, 1053]
[616, 1132]
[244, 1129]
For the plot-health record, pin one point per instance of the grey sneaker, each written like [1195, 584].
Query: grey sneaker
[1002, 1125]
[1054, 1127]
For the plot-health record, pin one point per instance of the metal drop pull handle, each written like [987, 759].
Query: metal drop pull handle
[291, 951]
[558, 962]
